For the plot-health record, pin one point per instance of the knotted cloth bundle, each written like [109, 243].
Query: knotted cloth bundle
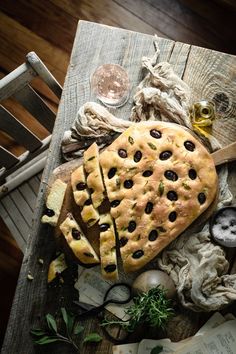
[197, 266]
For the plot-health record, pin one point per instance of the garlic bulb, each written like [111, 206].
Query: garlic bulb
[151, 279]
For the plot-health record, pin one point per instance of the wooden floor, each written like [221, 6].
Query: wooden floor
[48, 28]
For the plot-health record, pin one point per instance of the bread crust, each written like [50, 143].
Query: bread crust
[196, 180]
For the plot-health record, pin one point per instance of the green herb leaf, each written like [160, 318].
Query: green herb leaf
[156, 350]
[64, 315]
[152, 146]
[78, 328]
[51, 322]
[186, 186]
[46, 340]
[161, 229]
[92, 337]
[68, 319]
[38, 332]
[131, 140]
[118, 182]
[151, 308]
[161, 188]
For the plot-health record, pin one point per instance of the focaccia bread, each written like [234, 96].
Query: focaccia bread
[54, 202]
[108, 247]
[94, 176]
[79, 186]
[159, 179]
[82, 197]
[77, 241]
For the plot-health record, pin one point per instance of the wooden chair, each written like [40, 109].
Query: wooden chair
[30, 134]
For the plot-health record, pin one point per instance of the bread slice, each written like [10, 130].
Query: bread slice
[82, 197]
[54, 202]
[94, 176]
[159, 179]
[77, 241]
[56, 267]
[108, 247]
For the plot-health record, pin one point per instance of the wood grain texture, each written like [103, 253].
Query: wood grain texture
[26, 41]
[211, 75]
[34, 299]
[49, 25]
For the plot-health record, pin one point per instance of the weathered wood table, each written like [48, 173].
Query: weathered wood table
[211, 75]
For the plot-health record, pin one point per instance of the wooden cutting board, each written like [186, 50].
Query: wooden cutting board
[64, 171]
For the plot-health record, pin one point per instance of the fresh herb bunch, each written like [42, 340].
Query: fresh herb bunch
[72, 328]
[151, 308]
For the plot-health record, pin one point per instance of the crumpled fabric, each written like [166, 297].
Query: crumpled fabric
[197, 266]
[161, 95]
[93, 123]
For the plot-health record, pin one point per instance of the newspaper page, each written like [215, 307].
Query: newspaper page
[92, 288]
[131, 348]
[220, 340]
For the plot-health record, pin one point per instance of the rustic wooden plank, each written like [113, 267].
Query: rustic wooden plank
[96, 43]
[37, 83]
[7, 159]
[29, 196]
[215, 12]
[128, 52]
[130, 47]
[10, 144]
[18, 131]
[31, 101]
[16, 80]
[12, 227]
[109, 13]
[179, 57]
[22, 205]
[25, 118]
[19, 221]
[34, 185]
[174, 21]
[18, 40]
[211, 76]
[60, 36]
[34, 61]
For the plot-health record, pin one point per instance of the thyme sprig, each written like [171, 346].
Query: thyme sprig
[151, 308]
[72, 328]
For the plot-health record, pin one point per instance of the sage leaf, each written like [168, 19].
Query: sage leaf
[156, 350]
[64, 315]
[46, 340]
[38, 332]
[186, 186]
[161, 229]
[68, 319]
[92, 337]
[51, 323]
[161, 188]
[152, 146]
[78, 329]
[131, 140]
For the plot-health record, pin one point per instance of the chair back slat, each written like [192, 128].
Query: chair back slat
[33, 103]
[44, 73]
[20, 133]
[16, 80]
[7, 159]
[17, 85]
